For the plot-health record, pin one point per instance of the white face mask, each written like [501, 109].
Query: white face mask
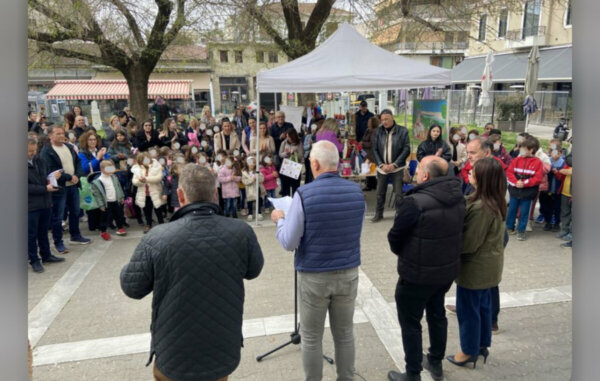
[472, 136]
[209, 133]
[496, 146]
[202, 160]
[202, 127]
[229, 164]
[554, 152]
[456, 137]
[72, 136]
[250, 160]
[153, 153]
[177, 145]
[180, 160]
[268, 160]
[463, 130]
[219, 158]
[236, 153]
[203, 143]
[194, 150]
[161, 161]
[109, 170]
[522, 152]
[552, 146]
[216, 129]
[147, 161]
[130, 161]
[520, 139]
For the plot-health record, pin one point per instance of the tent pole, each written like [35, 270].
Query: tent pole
[406, 108]
[448, 97]
[257, 166]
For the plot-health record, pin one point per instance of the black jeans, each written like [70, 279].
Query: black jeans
[114, 211]
[411, 301]
[286, 184]
[148, 212]
[495, 291]
[382, 184]
[308, 176]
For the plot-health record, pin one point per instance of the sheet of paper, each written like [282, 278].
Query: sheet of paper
[283, 203]
[290, 169]
[293, 114]
[52, 179]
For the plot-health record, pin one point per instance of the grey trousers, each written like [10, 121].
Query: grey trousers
[565, 213]
[382, 185]
[333, 292]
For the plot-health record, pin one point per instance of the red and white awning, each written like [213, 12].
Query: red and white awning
[117, 89]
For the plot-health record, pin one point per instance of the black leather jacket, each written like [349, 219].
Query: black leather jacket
[400, 145]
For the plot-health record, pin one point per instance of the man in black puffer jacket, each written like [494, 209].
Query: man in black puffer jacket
[427, 238]
[195, 266]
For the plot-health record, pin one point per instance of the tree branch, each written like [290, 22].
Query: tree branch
[177, 24]
[315, 23]
[130, 21]
[268, 28]
[62, 20]
[154, 47]
[72, 54]
[291, 14]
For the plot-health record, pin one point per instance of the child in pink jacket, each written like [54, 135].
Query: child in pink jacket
[229, 177]
[267, 169]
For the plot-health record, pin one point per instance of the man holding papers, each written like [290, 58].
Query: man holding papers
[323, 225]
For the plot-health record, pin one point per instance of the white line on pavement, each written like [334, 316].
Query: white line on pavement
[44, 313]
[140, 343]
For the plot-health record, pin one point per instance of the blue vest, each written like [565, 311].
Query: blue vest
[334, 211]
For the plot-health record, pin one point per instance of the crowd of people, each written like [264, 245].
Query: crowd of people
[470, 195]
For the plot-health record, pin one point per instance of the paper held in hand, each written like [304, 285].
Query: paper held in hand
[283, 203]
[290, 169]
[52, 178]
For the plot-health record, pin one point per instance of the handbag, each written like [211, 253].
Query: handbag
[86, 197]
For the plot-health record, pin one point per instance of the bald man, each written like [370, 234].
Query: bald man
[427, 238]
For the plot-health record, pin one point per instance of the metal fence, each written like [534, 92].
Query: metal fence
[464, 109]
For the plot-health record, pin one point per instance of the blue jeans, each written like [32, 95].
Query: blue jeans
[242, 198]
[474, 313]
[514, 205]
[66, 200]
[230, 207]
[38, 222]
[270, 193]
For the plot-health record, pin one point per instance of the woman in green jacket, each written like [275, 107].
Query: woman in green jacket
[482, 259]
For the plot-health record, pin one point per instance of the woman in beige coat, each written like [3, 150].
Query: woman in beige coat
[147, 177]
[226, 140]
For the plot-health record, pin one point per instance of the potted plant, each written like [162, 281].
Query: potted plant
[510, 114]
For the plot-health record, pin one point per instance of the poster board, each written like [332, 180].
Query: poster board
[291, 169]
[293, 115]
[427, 113]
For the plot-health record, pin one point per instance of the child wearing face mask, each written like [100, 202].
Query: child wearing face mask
[205, 147]
[270, 176]
[550, 200]
[498, 149]
[524, 178]
[229, 177]
[109, 194]
[520, 139]
[217, 164]
[147, 177]
[249, 178]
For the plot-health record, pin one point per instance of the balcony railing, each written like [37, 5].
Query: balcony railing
[521, 34]
[434, 46]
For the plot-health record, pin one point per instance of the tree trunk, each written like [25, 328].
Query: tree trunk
[137, 80]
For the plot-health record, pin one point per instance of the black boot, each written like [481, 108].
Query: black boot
[434, 367]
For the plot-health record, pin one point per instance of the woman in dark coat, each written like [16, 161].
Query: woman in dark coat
[434, 145]
[367, 144]
[147, 137]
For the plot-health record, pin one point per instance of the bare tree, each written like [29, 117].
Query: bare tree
[123, 34]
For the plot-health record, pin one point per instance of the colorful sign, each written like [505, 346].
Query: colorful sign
[427, 113]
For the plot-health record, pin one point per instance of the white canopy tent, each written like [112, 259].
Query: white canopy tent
[347, 61]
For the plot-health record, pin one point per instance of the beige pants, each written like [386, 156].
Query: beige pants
[158, 376]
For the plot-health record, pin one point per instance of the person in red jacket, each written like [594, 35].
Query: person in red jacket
[524, 177]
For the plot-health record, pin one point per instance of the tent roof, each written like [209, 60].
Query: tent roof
[117, 89]
[347, 61]
[555, 66]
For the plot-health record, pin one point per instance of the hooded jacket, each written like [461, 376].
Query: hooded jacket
[427, 232]
[195, 267]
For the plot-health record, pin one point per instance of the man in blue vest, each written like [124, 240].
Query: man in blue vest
[323, 226]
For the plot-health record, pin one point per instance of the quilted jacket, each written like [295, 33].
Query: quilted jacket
[195, 266]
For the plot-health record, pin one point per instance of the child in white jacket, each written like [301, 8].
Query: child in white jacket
[249, 178]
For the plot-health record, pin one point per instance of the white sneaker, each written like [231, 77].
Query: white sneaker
[260, 217]
[529, 227]
[249, 217]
